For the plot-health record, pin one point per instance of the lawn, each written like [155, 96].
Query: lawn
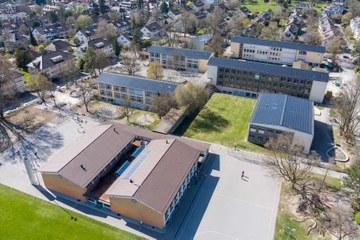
[26, 217]
[260, 6]
[223, 120]
[331, 181]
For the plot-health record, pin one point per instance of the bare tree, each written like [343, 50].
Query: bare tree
[70, 73]
[130, 65]
[271, 32]
[155, 70]
[342, 225]
[285, 160]
[40, 84]
[86, 92]
[216, 44]
[7, 85]
[107, 30]
[348, 110]
[192, 96]
[335, 47]
[102, 61]
[127, 111]
[162, 103]
[189, 22]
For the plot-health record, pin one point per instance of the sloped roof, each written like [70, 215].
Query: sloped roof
[280, 44]
[284, 110]
[190, 53]
[146, 84]
[259, 67]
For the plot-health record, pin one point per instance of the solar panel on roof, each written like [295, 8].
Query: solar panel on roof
[137, 151]
[137, 165]
[123, 168]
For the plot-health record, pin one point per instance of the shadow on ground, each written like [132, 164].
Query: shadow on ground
[323, 139]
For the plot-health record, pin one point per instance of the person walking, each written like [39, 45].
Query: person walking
[242, 174]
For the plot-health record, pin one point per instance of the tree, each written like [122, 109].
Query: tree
[86, 92]
[90, 61]
[116, 47]
[216, 44]
[164, 8]
[342, 225]
[126, 111]
[272, 32]
[237, 24]
[83, 21]
[335, 47]
[70, 73]
[53, 17]
[353, 6]
[189, 21]
[155, 70]
[33, 41]
[355, 53]
[7, 85]
[106, 30]
[348, 110]
[162, 103]
[346, 18]
[312, 38]
[192, 96]
[130, 65]
[351, 184]
[102, 6]
[102, 60]
[114, 16]
[285, 160]
[40, 84]
[22, 58]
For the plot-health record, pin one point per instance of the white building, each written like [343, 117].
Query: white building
[276, 114]
[355, 27]
[124, 40]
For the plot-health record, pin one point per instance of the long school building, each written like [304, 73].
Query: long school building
[276, 52]
[247, 78]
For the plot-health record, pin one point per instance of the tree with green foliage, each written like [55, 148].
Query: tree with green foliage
[22, 58]
[346, 18]
[53, 17]
[192, 96]
[164, 8]
[116, 47]
[40, 84]
[90, 61]
[155, 70]
[7, 85]
[33, 41]
[102, 6]
[81, 64]
[351, 184]
[83, 21]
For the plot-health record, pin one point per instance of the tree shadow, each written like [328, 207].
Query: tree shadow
[209, 121]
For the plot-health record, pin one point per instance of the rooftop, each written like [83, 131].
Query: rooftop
[190, 53]
[280, 44]
[136, 82]
[278, 70]
[284, 110]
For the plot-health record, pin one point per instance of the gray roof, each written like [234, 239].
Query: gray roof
[278, 70]
[190, 53]
[146, 84]
[284, 110]
[281, 44]
[105, 43]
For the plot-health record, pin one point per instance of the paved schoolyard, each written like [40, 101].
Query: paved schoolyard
[228, 207]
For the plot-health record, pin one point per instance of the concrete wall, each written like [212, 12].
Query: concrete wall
[212, 74]
[64, 186]
[317, 92]
[235, 48]
[137, 211]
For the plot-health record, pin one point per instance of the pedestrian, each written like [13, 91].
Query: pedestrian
[35, 153]
[242, 174]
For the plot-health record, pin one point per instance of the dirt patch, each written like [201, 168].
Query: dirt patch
[20, 123]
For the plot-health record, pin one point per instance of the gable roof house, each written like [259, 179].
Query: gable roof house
[101, 44]
[124, 40]
[59, 45]
[86, 34]
[49, 32]
[150, 30]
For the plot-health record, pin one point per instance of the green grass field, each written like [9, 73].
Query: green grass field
[25, 217]
[224, 120]
[260, 6]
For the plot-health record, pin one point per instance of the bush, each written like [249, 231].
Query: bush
[357, 218]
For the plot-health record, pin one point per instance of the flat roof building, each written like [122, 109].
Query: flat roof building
[136, 91]
[134, 172]
[180, 59]
[247, 78]
[277, 52]
[279, 113]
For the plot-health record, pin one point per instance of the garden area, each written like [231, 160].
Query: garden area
[26, 217]
[224, 120]
[260, 5]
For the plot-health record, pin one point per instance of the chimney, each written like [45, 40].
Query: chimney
[83, 168]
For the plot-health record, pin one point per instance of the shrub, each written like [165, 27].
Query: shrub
[357, 218]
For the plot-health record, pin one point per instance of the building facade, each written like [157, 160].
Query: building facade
[276, 114]
[355, 27]
[188, 60]
[129, 90]
[276, 52]
[247, 78]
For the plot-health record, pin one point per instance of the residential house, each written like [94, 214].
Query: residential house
[289, 33]
[130, 90]
[49, 32]
[355, 27]
[326, 29]
[249, 78]
[130, 171]
[150, 30]
[278, 52]
[122, 24]
[102, 44]
[52, 64]
[128, 5]
[180, 59]
[59, 45]
[6, 18]
[124, 40]
[197, 6]
[334, 9]
[174, 14]
[303, 8]
[276, 114]
[86, 34]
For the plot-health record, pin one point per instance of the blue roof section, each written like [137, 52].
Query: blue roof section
[284, 110]
[190, 53]
[146, 84]
[280, 44]
[259, 67]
